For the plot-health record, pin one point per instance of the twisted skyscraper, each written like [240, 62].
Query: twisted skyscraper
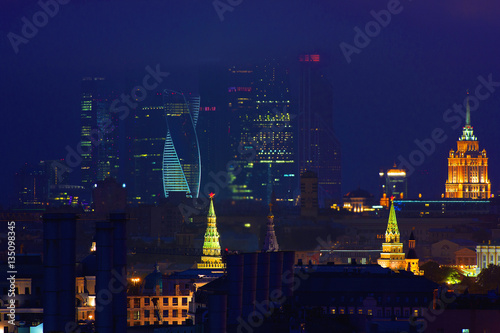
[181, 153]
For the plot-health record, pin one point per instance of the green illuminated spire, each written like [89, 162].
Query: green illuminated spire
[468, 132]
[467, 119]
[392, 232]
[211, 210]
[211, 247]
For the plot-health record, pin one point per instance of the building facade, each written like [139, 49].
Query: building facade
[319, 147]
[468, 167]
[181, 153]
[99, 133]
[147, 145]
[262, 133]
[393, 182]
[487, 254]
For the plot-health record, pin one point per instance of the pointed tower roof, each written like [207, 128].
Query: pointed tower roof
[270, 215]
[270, 242]
[468, 131]
[211, 210]
[392, 223]
[467, 118]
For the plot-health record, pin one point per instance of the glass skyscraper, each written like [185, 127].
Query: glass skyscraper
[181, 153]
[101, 158]
[319, 147]
[262, 132]
[148, 141]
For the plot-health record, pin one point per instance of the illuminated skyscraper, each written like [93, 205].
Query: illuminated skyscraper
[393, 182]
[181, 153]
[272, 133]
[100, 150]
[148, 141]
[468, 167]
[262, 130]
[319, 148]
[241, 107]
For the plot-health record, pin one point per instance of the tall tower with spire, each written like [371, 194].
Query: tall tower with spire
[412, 258]
[467, 167]
[392, 255]
[270, 242]
[211, 248]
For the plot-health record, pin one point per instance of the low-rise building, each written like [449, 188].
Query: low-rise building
[487, 254]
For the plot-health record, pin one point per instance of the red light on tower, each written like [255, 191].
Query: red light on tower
[309, 58]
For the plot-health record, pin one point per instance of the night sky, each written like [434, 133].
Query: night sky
[394, 91]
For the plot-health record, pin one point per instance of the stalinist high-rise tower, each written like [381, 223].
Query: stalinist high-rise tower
[468, 167]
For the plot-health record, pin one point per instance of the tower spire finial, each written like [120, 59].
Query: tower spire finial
[467, 119]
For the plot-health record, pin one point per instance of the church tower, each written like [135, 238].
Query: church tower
[468, 167]
[270, 243]
[412, 258]
[211, 248]
[392, 255]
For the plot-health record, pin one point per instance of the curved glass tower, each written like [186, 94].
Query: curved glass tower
[181, 153]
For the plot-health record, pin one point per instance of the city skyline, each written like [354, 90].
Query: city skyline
[408, 73]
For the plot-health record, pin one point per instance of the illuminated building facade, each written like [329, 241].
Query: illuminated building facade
[393, 182]
[487, 254]
[273, 133]
[319, 148]
[358, 201]
[468, 167]
[263, 133]
[147, 145]
[241, 112]
[211, 247]
[392, 255]
[99, 148]
[181, 154]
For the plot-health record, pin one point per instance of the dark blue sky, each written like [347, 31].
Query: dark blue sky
[394, 91]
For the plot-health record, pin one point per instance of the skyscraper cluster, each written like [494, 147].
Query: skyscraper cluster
[244, 125]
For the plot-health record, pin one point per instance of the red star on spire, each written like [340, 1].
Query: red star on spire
[212, 194]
